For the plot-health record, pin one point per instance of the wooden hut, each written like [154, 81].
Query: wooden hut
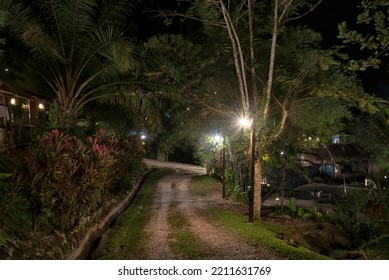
[337, 162]
[20, 115]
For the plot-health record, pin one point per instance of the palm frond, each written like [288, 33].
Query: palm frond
[113, 12]
[145, 106]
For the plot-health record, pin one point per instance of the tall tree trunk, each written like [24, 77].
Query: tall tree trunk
[255, 97]
[258, 188]
[265, 116]
[269, 86]
[238, 59]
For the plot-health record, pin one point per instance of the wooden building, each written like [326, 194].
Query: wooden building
[21, 114]
[337, 162]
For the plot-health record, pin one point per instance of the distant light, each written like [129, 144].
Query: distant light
[13, 101]
[282, 153]
[6, 69]
[218, 138]
[336, 139]
[143, 137]
[41, 106]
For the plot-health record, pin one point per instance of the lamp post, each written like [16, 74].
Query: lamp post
[244, 122]
[217, 139]
[223, 169]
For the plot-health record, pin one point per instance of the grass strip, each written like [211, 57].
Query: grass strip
[262, 234]
[184, 242]
[202, 185]
[127, 237]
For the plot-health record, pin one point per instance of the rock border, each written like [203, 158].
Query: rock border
[95, 232]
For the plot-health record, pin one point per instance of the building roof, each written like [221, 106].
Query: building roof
[11, 90]
[335, 153]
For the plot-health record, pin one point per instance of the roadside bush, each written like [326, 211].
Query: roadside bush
[363, 214]
[12, 199]
[66, 177]
[128, 165]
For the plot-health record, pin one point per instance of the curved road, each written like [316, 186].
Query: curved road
[174, 199]
[194, 169]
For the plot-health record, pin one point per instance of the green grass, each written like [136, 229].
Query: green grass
[202, 185]
[263, 234]
[185, 243]
[259, 233]
[378, 248]
[127, 238]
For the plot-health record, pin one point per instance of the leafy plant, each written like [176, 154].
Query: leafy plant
[66, 177]
[317, 215]
[302, 214]
[12, 199]
[292, 206]
[362, 214]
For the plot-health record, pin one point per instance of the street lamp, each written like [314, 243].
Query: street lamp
[249, 123]
[244, 122]
[218, 138]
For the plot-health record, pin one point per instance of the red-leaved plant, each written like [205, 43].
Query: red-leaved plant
[67, 176]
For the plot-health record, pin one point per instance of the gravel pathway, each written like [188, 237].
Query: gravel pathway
[173, 194]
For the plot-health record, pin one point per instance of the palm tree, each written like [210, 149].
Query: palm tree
[79, 49]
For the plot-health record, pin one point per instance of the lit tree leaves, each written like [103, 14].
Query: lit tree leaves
[371, 35]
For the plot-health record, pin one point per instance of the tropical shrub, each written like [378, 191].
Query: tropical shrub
[127, 153]
[66, 177]
[364, 213]
[12, 200]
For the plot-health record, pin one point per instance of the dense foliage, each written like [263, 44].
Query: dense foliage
[62, 183]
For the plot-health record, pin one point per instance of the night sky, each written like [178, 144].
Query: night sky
[324, 19]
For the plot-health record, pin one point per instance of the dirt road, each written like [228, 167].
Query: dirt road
[174, 200]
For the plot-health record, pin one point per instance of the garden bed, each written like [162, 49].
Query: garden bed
[27, 244]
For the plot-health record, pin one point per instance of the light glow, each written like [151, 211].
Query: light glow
[218, 138]
[245, 122]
